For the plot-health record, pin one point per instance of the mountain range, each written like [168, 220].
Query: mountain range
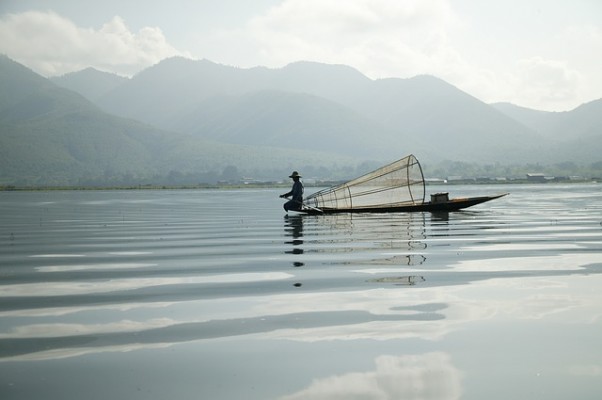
[574, 135]
[53, 136]
[197, 120]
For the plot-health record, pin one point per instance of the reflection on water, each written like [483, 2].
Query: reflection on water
[239, 301]
[54, 341]
[293, 228]
[424, 376]
[409, 280]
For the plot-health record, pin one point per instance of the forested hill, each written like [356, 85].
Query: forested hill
[196, 121]
[422, 115]
[304, 100]
[53, 136]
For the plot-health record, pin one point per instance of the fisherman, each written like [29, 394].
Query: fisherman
[296, 192]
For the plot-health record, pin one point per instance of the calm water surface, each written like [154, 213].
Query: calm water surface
[217, 294]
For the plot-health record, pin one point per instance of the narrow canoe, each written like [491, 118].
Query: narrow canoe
[439, 206]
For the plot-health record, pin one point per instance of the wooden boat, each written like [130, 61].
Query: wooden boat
[396, 187]
[444, 206]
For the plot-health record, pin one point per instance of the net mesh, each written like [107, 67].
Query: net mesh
[397, 184]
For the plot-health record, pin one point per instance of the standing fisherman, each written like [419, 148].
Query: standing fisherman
[296, 192]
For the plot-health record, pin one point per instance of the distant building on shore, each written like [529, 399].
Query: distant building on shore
[537, 177]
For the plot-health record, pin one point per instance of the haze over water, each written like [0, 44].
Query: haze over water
[217, 294]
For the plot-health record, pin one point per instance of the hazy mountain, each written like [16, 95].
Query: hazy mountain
[574, 135]
[52, 136]
[203, 122]
[161, 94]
[450, 123]
[422, 115]
[538, 121]
[582, 133]
[583, 121]
[297, 120]
[90, 82]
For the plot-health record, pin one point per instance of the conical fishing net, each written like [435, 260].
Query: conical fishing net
[400, 183]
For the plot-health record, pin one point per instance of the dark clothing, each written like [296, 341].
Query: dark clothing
[296, 201]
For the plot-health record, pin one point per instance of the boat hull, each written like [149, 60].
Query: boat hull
[444, 206]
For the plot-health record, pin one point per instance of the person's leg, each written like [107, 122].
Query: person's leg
[292, 205]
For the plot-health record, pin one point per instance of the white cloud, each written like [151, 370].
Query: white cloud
[545, 60]
[534, 82]
[544, 83]
[52, 45]
[384, 38]
[381, 38]
[425, 376]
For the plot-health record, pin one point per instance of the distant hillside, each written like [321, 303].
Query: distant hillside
[52, 136]
[538, 121]
[161, 94]
[266, 118]
[90, 83]
[184, 121]
[450, 123]
[574, 135]
[423, 115]
[585, 120]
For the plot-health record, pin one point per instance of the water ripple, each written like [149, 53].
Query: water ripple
[89, 273]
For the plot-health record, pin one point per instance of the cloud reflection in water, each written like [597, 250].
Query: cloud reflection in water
[424, 376]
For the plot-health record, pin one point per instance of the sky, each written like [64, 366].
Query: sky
[539, 54]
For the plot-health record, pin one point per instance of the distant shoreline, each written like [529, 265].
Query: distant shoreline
[233, 186]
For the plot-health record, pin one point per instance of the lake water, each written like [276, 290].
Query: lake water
[217, 294]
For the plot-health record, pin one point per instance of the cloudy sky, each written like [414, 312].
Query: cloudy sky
[541, 54]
